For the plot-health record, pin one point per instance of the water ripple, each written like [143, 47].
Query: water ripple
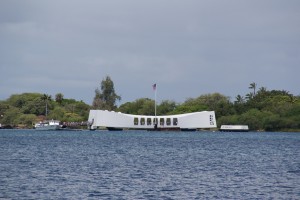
[148, 165]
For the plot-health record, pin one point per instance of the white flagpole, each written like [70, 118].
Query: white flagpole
[154, 88]
[155, 100]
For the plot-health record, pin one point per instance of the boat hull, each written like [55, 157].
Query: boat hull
[48, 128]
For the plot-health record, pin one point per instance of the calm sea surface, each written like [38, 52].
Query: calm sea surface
[148, 165]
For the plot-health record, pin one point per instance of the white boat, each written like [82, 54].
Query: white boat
[234, 128]
[48, 125]
[119, 121]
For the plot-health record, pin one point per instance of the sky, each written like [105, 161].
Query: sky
[187, 47]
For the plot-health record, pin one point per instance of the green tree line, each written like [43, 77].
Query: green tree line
[23, 110]
[261, 109]
[274, 110]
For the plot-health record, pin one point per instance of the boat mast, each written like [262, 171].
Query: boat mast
[46, 109]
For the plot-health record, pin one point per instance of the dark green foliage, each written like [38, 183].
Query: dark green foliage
[269, 110]
[273, 110]
[166, 107]
[27, 120]
[216, 102]
[143, 106]
[19, 100]
[229, 119]
[239, 104]
[59, 97]
[253, 118]
[35, 106]
[4, 106]
[11, 116]
[57, 113]
[127, 107]
[106, 98]
[272, 123]
[24, 109]
[183, 108]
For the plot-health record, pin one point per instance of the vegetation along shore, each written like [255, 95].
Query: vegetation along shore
[261, 109]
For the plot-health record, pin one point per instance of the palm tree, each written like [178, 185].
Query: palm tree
[253, 86]
[46, 98]
[249, 96]
[239, 99]
[262, 90]
[59, 98]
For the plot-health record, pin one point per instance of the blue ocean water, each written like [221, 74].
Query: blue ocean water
[148, 165]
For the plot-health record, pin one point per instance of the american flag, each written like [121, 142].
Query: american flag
[154, 86]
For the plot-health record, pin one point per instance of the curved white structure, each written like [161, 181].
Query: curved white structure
[116, 120]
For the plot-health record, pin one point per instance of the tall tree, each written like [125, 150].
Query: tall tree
[59, 97]
[106, 98]
[253, 86]
[239, 104]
